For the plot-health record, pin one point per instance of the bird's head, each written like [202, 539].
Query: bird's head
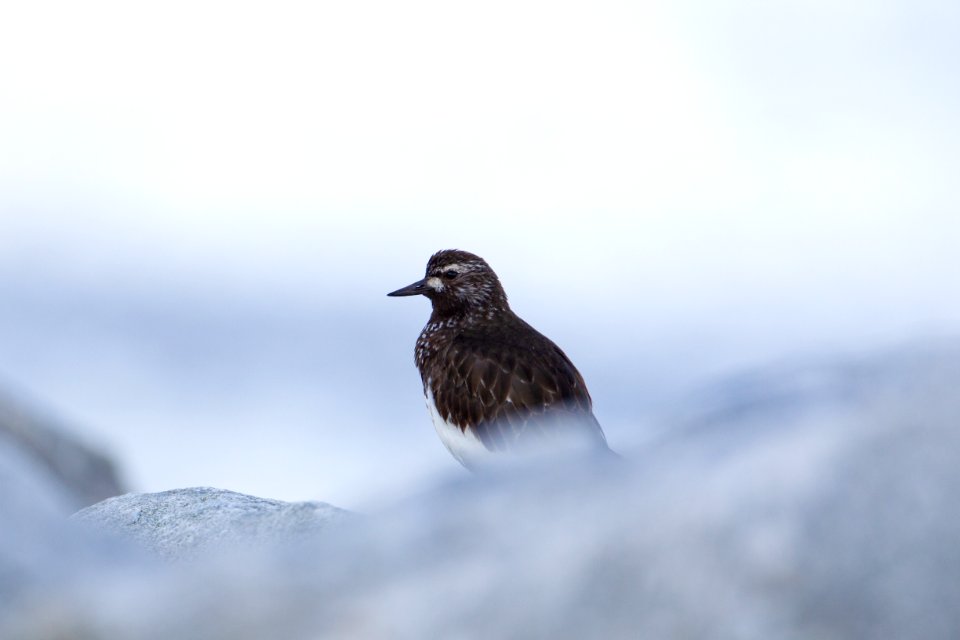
[458, 283]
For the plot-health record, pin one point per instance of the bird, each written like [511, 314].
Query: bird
[496, 388]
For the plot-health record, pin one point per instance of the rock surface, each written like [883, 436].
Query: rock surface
[182, 523]
[810, 502]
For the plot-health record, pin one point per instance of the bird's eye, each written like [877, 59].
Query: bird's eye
[450, 274]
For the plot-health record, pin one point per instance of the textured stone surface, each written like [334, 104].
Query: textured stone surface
[812, 502]
[183, 522]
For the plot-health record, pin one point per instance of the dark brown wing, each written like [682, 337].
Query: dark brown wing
[514, 387]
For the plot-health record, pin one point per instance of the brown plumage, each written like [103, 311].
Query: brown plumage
[488, 373]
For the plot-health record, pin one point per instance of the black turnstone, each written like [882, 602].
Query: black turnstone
[494, 384]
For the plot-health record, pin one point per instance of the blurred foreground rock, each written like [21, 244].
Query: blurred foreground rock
[804, 502]
[45, 475]
[83, 475]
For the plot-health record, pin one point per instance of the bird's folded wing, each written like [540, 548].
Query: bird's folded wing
[513, 400]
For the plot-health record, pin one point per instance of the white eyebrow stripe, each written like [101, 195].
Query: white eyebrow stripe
[456, 266]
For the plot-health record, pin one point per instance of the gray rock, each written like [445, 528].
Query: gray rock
[782, 508]
[30, 505]
[85, 475]
[182, 523]
[45, 474]
[39, 549]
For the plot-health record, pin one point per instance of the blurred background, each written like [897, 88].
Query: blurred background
[203, 205]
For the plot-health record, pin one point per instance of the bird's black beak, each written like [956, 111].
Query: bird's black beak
[417, 288]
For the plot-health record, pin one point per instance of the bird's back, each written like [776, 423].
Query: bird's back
[508, 386]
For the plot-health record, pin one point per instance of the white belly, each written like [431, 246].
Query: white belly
[465, 446]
